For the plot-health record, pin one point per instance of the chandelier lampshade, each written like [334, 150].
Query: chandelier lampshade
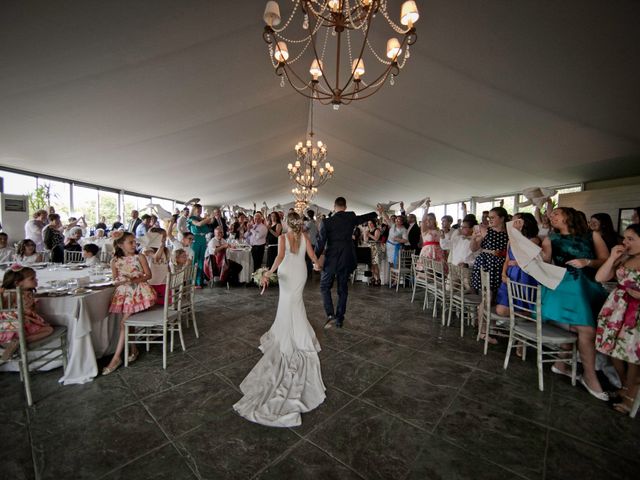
[333, 36]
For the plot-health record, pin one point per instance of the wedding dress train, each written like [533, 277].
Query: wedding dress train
[287, 380]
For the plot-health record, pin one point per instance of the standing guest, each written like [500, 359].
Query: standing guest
[397, 237]
[602, 223]
[146, 222]
[132, 294]
[199, 227]
[618, 331]
[6, 253]
[219, 221]
[158, 260]
[485, 218]
[492, 243]
[90, 253]
[33, 229]
[34, 325]
[133, 222]
[311, 228]
[54, 239]
[179, 260]
[239, 227]
[372, 238]
[431, 236]
[577, 300]
[181, 223]
[447, 230]
[526, 224]
[73, 223]
[26, 252]
[413, 234]
[459, 245]
[117, 225]
[635, 217]
[257, 237]
[274, 230]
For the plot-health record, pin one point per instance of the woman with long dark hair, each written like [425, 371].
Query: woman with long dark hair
[602, 223]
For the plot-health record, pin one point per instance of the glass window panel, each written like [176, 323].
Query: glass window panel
[85, 202]
[108, 207]
[133, 202]
[18, 184]
[481, 207]
[60, 196]
[438, 211]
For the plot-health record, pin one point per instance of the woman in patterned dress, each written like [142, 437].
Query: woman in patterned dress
[576, 301]
[492, 242]
[372, 236]
[618, 330]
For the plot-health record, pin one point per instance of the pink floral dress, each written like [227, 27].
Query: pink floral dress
[130, 298]
[431, 246]
[618, 330]
[33, 322]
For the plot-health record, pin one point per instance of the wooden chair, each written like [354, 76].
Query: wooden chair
[420, 278]
[438, 280]
[489, 322]
[43, 352]
[527, 328]
[464, 302]
[402, 271]
[73, 257]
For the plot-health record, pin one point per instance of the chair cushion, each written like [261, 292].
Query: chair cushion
[151, 317]
[550, 334]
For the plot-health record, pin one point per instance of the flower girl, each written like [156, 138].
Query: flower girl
[133, 294]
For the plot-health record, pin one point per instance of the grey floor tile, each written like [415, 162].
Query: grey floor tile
[218, 355]
[350, 374]
[380, 352]
[434, 369]
[162, 464]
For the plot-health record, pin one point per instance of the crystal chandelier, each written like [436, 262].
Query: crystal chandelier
[302, 198]
[341, 20]
[311, 168]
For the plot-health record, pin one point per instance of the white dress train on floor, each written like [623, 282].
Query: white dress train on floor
[287, 380]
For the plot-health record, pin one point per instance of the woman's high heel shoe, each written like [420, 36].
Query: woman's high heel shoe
[604, 396]
[109, 370]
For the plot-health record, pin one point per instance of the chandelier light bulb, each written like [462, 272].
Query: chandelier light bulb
[290, 167]
[333, 5]
[316, 68]
[409, 13]
[357, 67]
[272, 14]
[320, 143]
[327, 165]
[393, 48]
[298, 163]
[281, 54]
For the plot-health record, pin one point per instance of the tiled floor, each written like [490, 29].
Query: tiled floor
[406, 398]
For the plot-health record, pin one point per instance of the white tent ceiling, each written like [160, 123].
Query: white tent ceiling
[178, 98]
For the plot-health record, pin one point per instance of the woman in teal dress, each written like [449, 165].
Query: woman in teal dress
[578, 298]
[199, 227]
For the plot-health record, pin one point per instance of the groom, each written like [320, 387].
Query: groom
[335, 243]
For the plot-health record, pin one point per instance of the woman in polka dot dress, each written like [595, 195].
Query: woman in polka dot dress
[492, 243]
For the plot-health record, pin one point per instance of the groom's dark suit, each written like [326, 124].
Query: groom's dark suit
[335, 242]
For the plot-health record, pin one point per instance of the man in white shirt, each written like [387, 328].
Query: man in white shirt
[33, 229]
[181, 223]
[459, 244]
[256, 236]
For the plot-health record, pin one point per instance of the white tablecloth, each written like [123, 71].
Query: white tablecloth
[243, 257]
[46, 276]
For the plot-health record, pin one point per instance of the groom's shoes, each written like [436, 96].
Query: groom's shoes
[339, 322]
[330, 322]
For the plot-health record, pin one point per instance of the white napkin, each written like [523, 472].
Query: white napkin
[150, 240]
[529, 258]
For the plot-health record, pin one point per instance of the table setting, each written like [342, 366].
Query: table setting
[241, 253]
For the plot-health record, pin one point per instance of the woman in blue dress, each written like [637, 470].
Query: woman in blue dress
[199, 227]
[527, 225]
[577, 300]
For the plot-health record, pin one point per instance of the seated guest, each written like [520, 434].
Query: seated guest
[6, 253]
[26, 252]
[217, 249]
[602, 223]
[578, 298]
[527, 225]
[54, 239]
[459, 245]
[117, 225]
[90, 253]
[179, 260]
[618, 331]
[74, 223]
[73, 242]
[144, 226]
[184, 243]
[635, 217]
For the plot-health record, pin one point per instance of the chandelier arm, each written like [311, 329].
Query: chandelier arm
[391, 69]
[371, 89]
[320, 65]
[300, 90]
[366, 37]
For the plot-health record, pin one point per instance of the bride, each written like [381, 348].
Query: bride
[287, 380]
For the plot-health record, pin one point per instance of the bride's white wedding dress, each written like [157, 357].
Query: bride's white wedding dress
[287, 380]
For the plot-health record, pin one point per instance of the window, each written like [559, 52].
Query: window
[164, 203]
[133, 202]
[60, 195]
[108, 206]
[85, 203]
[18, 184]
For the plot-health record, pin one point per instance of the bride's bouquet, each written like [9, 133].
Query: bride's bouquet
[257, 276]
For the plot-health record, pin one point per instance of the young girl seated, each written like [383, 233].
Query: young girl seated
[179, 261]
[26, 252]
[158, 259]
[133, 294]
[73, 242]
[6, 253]
[35, 327]
[90, 254]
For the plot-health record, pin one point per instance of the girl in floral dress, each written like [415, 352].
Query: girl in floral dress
[431, 237]
[34, 325]
[618, 330]
[133, 294]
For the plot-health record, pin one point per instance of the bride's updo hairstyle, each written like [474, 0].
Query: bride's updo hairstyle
[295, 224]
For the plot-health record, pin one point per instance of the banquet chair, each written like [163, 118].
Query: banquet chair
[419, 276]
[153, 326]
[439, 281]
[43, 352]
[105, 256]
[73, 257]
[187, 302]
[46, 256]
[496, 325]
[527, 328]
[402, 270]
[465, 303]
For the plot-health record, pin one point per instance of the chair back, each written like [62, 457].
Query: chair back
[46, 256]
[404, 261]
[73, 257]
[105, 255]
[485, 287]
[12, 319]
[525, 303]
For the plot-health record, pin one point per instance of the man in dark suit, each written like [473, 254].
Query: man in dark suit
[219, 221]
[414, 234]
[134, 222]
[335, 243]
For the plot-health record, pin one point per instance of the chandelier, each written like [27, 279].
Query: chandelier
[311, 168]
[302, 198]
[341, 20]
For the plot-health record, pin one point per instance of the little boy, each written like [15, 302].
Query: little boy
[90, 254]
